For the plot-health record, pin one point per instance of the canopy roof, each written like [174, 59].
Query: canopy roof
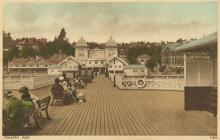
[202, 42]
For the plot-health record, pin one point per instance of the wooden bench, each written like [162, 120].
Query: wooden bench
[57, 98]
[43, 106]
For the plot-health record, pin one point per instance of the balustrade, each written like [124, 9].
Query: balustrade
[173, 82]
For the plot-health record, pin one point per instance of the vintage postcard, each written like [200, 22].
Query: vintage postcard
[140, 70]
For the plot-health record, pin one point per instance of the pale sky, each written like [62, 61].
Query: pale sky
[126, 22]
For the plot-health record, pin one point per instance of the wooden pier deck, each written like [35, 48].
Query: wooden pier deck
[110, 111]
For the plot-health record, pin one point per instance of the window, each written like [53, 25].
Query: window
[110, 66]
[96, 62]
[90, 62]
[102, 62]
[119, 66]
[134, 70]
[115, 66]
[109, 55]
[142, 70]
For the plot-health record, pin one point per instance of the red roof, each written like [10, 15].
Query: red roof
[22, 61]
[31, 41]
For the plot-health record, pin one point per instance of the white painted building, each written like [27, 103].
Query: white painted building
[70, 64]
[95, 59]
[116, 66]
[55, 70]
[135, 70]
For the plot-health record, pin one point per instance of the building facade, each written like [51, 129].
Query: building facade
[95, 59]
[135, 71]
[172, 61]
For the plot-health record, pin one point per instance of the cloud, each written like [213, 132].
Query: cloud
[98, 21]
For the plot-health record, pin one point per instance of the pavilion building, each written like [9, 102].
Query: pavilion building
[95, 59]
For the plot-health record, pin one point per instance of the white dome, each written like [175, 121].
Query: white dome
[81, 42]
[111, 42]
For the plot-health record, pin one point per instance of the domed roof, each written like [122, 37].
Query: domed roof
[81, 43]
[111, 42]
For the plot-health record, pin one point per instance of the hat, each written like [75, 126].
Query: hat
[23, 89]
[57, 80]
[64, 83]
[61, 78]
[8, 93]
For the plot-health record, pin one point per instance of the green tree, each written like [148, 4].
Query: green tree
[62, 34]
[56, 45]
[28, 52]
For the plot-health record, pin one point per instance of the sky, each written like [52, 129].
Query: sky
[125, 22]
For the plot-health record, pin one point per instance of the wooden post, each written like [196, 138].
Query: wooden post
[114, 81]
[184, 69]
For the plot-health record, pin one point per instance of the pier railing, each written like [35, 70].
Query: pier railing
[31, 81]
[161, 82]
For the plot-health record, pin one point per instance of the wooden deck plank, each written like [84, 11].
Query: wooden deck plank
[110, 111]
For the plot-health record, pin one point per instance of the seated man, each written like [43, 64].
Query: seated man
[15, 110]
[58, 91]
[30, 103]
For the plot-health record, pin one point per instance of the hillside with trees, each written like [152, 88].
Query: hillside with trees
[51, 48]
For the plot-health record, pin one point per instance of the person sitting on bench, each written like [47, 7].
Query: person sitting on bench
[13, 112]
[58, 91]
[30, 102]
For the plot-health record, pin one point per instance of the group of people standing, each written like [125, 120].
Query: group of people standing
[63, 88]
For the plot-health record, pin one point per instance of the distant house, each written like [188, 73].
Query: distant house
[172, 60]
[116, 66]
[135, 70]
[28, 65]
[143, 59]
[70, 64]
[30, 42]
[37, 65]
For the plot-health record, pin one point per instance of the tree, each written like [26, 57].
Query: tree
[28, 52]
[179, 40]
[62, 34]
